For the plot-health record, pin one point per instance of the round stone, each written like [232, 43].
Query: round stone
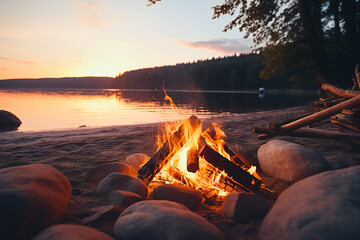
[165, 220]
[32, 197]
[324, 206]
[119, 181]
[290, 161]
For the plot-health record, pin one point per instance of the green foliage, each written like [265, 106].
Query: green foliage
[300, 39]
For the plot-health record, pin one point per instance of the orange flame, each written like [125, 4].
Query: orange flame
[206, 177]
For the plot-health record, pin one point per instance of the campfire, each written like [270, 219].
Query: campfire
[198, 158]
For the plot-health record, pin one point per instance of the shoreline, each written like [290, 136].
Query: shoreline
[237, 126]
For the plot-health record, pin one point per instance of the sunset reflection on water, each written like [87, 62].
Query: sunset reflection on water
[41, 110]
[69, 109]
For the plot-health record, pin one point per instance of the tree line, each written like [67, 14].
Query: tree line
[226, 73]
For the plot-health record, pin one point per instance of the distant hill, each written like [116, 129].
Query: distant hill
[227, 73]
[68, 82]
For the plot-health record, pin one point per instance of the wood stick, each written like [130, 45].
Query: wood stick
[236, 159]
[340, 92]
[310, 133]
[352, 112]
[245, 179]
[164, 154]
[346, 121]
[192, 159]
[314, 117]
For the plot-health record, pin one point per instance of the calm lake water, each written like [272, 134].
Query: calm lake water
[68, 109]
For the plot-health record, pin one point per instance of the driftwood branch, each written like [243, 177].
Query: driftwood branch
[305, 121]
[339, 91]
[309, 133]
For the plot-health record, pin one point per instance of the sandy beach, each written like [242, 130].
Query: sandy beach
[73, 152]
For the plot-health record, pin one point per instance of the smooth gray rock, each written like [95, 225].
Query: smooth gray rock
[244, 207]
[124, 198]
[163, 220]
[324, 206]
[32, 197]
[119, 181]
[290, 161]
[98, 173]
[8, 121]
[136, 160]
[178, 193]
[71, 231]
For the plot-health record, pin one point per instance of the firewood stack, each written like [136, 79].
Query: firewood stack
[342, 110]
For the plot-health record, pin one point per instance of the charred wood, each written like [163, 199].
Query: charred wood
[236, 159]
[192, 160]
[241, 176]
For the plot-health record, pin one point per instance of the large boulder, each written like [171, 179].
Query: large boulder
[136, 160]
[290, 161]
[178, 193]
[119, 181]
[72, 231]
[324, 206]
[163, 220]
[98, 173]
[32, 197]
[8, 121]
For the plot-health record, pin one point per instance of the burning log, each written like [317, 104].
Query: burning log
[164, 154]
[246, 180]
[192, 160]
[236, 159]
[224, 183]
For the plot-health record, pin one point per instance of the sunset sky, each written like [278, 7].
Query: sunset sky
[48, 38]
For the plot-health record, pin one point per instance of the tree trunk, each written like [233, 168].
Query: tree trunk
[315, 49]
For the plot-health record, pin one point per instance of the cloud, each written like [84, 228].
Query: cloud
[94, 20]
[226, 46]
[91, 13]
[17, 61]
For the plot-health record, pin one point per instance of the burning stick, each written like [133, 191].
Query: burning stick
[192, 160]
[249, 182]
[166, 152]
